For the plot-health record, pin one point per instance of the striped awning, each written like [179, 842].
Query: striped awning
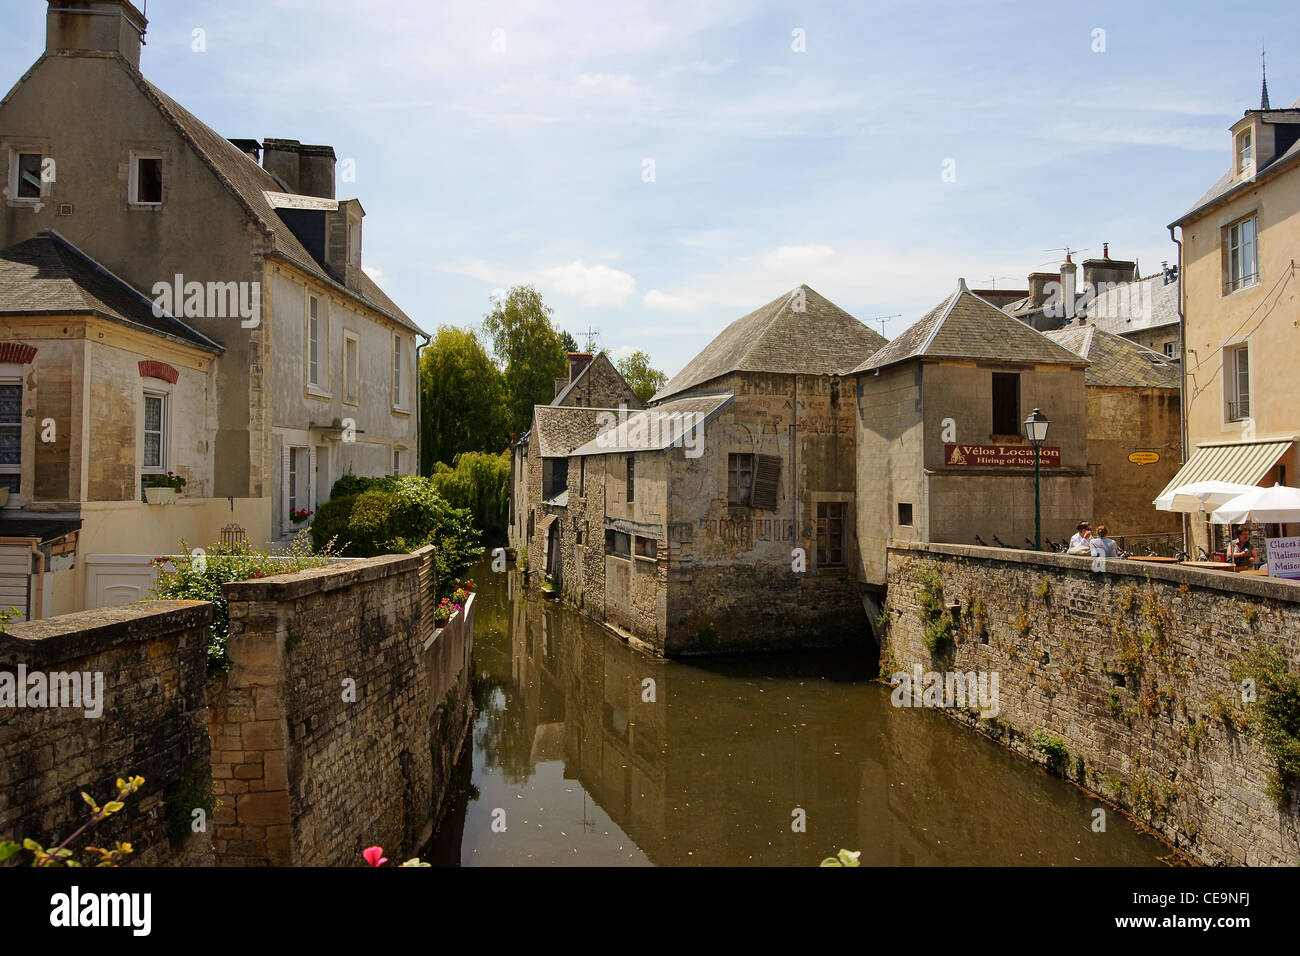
[1242, 463]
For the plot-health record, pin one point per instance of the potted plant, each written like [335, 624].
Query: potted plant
[163, 489]
[299, 515]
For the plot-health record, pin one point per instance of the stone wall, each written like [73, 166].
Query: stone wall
[337, 724]
[153, 661]
[1130, 666]
[1120, 422]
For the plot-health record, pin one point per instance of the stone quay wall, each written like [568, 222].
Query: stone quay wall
[337, 725]
[153, 660]
[1128, 665]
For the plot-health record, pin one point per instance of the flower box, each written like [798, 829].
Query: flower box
[160, 496]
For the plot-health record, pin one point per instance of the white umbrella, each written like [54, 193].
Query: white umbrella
[1201, 496]
[1276, 505]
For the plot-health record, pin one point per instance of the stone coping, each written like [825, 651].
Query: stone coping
[84, 633]
[1229, 582]
[330, 577]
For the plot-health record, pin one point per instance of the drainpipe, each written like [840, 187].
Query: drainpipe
[1182, 392]
[419, 402]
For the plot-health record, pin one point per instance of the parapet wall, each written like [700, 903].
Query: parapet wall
[1130, 666]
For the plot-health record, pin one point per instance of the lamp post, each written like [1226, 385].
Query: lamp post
[1036, 430]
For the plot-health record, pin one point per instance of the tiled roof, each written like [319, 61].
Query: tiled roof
[965, 326]
[659, 427]
[560, 429]
[1134, 306]
[1116, 361]
[250, 183]
[49, 275]
[820, 339]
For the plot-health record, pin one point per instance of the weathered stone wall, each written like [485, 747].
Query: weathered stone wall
[331, 731]
[602, 387]
[153, 661]
[1130, 667]
[1120, 422]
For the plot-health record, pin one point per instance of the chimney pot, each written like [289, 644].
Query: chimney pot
[102, 26]
[1105, 250]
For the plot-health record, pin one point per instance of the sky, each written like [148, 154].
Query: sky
[657, 170]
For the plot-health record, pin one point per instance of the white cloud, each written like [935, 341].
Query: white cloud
[622, 352]
[786, 257]
[593, 285]
[375, 273]
[654, 299]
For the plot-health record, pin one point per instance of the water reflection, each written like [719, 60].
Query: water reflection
[572, 756]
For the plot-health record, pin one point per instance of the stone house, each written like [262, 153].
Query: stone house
[259, 259]
[1237, 262]
[941, 448]
[1144, 311]
[1134, 427]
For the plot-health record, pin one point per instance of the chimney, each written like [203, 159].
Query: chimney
[316, 171]
[249, 147]
[1069, 277]
[1038, 287]
[1106, 273]
[343, 242]
[101, 26]
[280, 159]
[577, 362]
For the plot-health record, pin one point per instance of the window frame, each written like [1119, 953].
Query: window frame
[612, 539]
[1245, 151]
[1171, 350]
[1014, 413]
[399, 393]
[312, 338]
[631, 479]
[164, 430]
[1234, 251]
[15, 469]
[352, 370]
[133, 178]
[16, 154]
[1232, 381]
[824, 552]
[734, 498]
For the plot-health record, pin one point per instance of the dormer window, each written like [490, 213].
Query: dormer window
[354, 241]
[1245, 152]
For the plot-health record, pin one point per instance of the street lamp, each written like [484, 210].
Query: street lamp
[1036, 430]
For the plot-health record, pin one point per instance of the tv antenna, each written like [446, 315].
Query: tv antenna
[882, 319]
[993, 282]
[592, 336]
[1068, 250]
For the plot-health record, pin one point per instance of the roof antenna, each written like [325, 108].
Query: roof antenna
[591, 335]
[1263, 70]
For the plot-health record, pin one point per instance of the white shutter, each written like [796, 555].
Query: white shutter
[311, 477]
[282, 506]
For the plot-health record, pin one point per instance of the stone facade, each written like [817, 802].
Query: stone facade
[1129, 666]
[1121, 421]
[153, 662]
[336, 725]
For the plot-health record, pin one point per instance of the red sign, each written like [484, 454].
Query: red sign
[999, 456]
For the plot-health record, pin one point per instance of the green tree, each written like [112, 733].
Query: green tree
[463, 398]
[640, 375]
[568, 342]
[530, 349]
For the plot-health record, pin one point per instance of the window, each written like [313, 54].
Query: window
[740, 479]
[313, 341]
[397, 461]
[1245, 152]
[145, 179]
[398, 355]
[830, 533]
[618, 543]
[1236, 365]
[1243, 254]
[293, 479]
[647, 547]
[11, 434]
[25, 183]
[1006, 403]
[905, 514]
[582, 477]
[631, 479]
[155, 433]
[1171, 350]
[555, 476]
[351, 368]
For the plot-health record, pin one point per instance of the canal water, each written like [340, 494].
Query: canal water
[589, 752]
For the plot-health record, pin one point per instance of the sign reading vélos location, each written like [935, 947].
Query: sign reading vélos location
[999, 456]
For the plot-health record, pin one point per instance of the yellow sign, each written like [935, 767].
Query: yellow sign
[1144, 457]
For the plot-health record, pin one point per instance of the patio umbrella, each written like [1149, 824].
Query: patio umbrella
[1201, 496]
[1277, 505]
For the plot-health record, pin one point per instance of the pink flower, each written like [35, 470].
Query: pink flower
[374, 855]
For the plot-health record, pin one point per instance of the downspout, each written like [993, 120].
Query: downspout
[1182, 392]
[419, 403]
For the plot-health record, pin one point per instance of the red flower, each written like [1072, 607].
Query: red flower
[374, 855]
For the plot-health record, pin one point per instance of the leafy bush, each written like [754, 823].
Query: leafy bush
[331, 523]
[1053, 748]
[200, 577]
[934, 612]
[1274, 716]
[479, 481]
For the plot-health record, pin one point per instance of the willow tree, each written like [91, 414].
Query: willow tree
[463, 398]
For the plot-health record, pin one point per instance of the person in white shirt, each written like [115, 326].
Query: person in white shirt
[1080, 540]
[1102, 546]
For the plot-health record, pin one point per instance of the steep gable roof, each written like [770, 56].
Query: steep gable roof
[582, 375]
[1228, 184]
[964, 326]
[1116, 361]
[660, 427]
[562, 428]
[819, 339]
[47, 275]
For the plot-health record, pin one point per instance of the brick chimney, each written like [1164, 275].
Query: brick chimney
[1112, 272]
[1038, 293]
[1069, 286]
[343, 242]
[101, 26]
[577, 362]
[306, 170]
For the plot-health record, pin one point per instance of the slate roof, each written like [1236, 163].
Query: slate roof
[822, 339]
[564, 392]
[561, 429]
[1116, 361]
[660, 427]
[964, 326]
[47, 275]
[1146, 304]
[250, 183]
[1226, 184]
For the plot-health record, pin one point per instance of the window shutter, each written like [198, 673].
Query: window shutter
[311, 477]
[283, 504]
[767, 482]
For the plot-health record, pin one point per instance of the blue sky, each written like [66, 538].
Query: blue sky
[505, 142]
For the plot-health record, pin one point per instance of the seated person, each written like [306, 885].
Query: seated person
[1241, 552]
[1102, 546]
[1079, 543]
